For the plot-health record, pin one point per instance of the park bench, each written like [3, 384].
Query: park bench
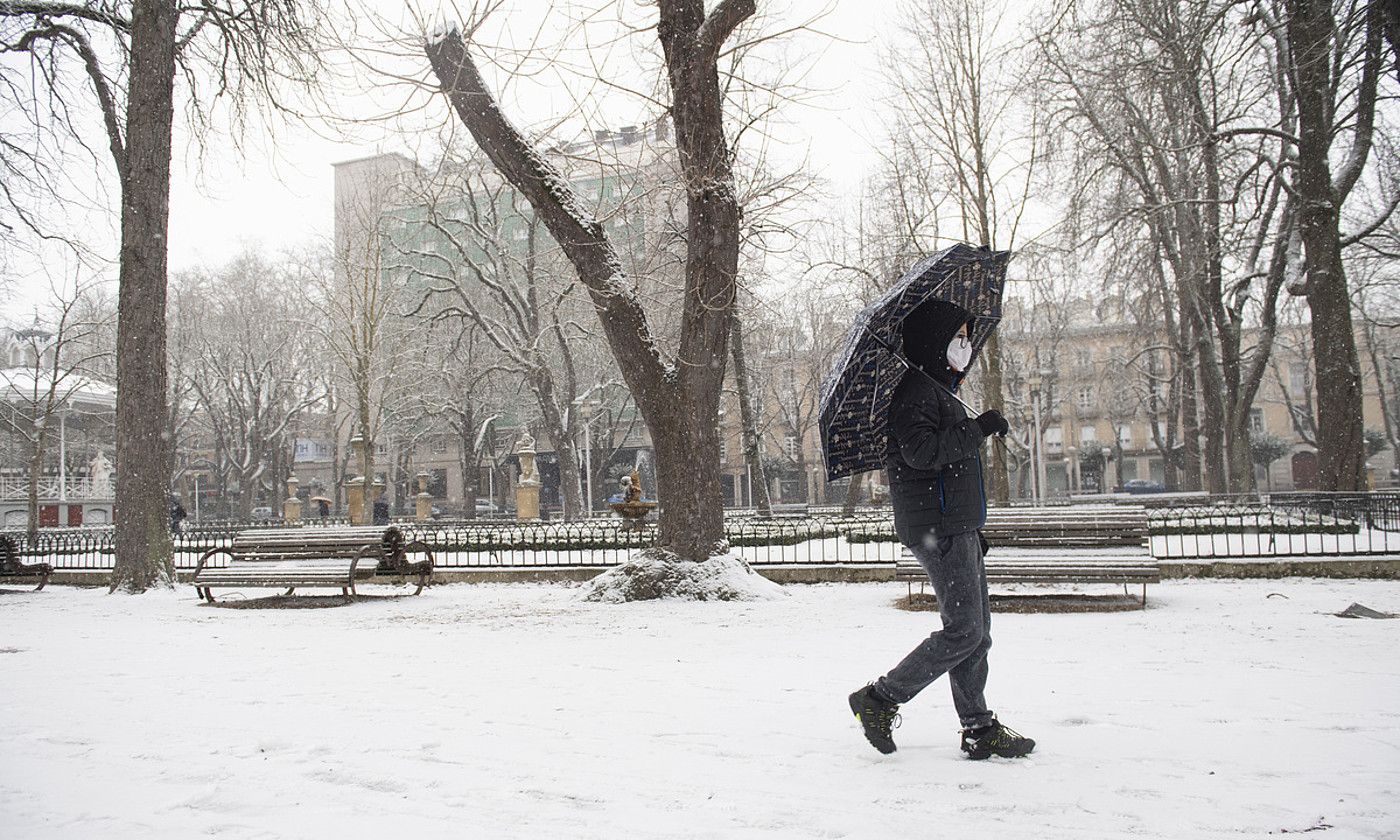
[12, 569]
[1047, 570]
[1067, 527]
[312, 557]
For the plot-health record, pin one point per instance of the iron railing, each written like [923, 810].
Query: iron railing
[1277, 525]
[1222, 527]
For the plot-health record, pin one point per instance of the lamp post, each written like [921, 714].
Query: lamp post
[1105, 453]
[1037, 466]
[1072, 468]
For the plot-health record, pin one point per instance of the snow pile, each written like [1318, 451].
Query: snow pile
[442, 30]
[655, 573]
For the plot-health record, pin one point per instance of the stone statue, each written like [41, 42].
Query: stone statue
[632, 487]
[526, 448]
[100, 476]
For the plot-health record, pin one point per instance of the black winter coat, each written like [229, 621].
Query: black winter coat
[934, 463]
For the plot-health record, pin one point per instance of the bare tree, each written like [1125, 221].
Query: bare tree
[246, 366]
[481, 256]
[1144, 88]
[1332, 59]
[805, 334]
[678, 396]
[130, 55]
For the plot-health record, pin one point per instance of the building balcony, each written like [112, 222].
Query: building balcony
[15, 488]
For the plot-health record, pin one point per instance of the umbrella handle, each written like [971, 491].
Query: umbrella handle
[902, 359]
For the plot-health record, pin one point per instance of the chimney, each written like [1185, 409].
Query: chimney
[629, 135]
[601, 136]
[663, 128]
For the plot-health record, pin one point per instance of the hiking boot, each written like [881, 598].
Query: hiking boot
[877, 717]
[995, 739]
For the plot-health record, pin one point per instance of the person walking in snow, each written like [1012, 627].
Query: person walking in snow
[935, 478]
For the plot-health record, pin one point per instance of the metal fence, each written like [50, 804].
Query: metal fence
[866, 538]
[1223, 527]
[1291, 524]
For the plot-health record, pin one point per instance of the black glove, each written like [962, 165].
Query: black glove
[992, 423]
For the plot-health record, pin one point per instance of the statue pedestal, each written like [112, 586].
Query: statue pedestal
[527, 502]
[355, 499]
[424, 507]
[291, 509]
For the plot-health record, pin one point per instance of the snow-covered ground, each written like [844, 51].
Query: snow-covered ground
[1227, 709]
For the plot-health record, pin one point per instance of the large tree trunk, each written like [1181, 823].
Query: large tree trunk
[1311, 33]
[143, 550]
[748, 422]
[678, 398]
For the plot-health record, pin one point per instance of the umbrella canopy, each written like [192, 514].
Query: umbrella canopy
[325, 499]
[856, 394]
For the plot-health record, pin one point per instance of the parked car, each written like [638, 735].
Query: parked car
[486, 507]
[261, 514]
[1143, 485]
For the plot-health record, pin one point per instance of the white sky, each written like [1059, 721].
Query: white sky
[275, 191]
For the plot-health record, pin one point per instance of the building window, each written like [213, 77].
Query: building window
[1086, 398]
[1083, 357]
[724, 451]
[1125, 436]
[1297, 379]
[1054, 439]
[1088, 435]
[439, 445]
[1256, 421]
[790, 445]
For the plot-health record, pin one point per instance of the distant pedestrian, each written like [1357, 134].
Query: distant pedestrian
[177, 517]
[935, 474]
[323, 508]
[381, 512]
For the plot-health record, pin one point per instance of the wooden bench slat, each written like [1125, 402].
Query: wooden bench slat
[1027, 570]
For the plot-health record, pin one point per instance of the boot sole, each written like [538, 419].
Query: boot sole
[983, 756]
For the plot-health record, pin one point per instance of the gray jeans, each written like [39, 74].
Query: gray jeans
[954, 565]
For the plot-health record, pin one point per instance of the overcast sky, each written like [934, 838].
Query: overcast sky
[274, 191]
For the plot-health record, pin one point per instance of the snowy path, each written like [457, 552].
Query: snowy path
[513, 711]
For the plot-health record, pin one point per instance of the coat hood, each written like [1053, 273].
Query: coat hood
[928, 331]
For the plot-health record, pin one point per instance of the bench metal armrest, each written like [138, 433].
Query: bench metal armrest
[204, 558]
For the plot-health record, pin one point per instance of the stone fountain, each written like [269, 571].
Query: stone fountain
[629, 504]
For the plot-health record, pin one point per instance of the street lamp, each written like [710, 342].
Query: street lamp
[1073, 467]
[1037, 465]
[1105, 453]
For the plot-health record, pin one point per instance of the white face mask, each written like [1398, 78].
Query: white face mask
[959, 353]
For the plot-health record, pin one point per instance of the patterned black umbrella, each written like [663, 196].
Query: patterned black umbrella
[856, 394]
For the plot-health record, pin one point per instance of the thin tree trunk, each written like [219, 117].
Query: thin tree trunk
[1001, 492]
[36, 465]
[143, 550]
[1190, 430]
[848, 507]
[748, 422]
